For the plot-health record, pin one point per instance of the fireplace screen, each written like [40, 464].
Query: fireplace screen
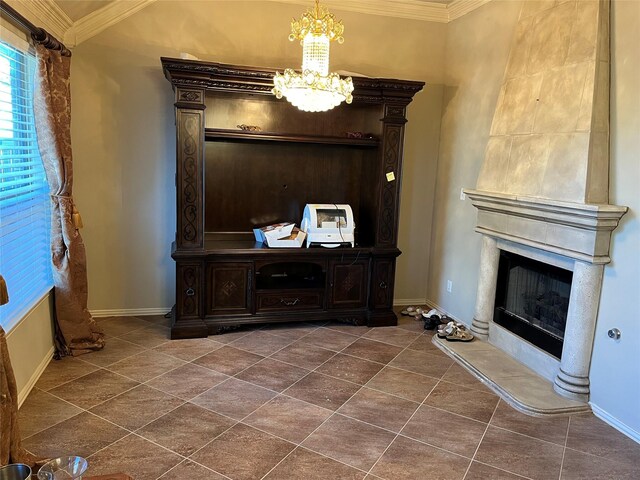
[532, 300]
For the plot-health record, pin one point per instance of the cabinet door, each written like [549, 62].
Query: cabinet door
[382, 283]
[229, 288]
[349, 284]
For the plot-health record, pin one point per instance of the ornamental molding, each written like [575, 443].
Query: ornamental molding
[458, 8]
[94, 23]
[411, 9]
[48, 15]
[45, 14]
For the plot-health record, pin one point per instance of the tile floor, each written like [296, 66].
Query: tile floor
[304, 401]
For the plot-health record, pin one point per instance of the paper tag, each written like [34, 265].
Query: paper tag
[391, 177]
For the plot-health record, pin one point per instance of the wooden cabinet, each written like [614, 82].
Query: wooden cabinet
[246, 159]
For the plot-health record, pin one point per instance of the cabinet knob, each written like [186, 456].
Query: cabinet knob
[190, 292]
[383, 284]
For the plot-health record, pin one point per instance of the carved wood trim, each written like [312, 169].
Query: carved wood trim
[189, 171]
[189, 290]
[382, 283]
[231, 78]
[388, 202]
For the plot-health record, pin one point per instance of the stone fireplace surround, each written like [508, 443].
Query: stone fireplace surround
[570, 236]
[543, 189]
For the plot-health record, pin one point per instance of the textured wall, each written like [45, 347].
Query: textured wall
[549, 135]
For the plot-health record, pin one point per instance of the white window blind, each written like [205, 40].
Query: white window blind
[25, 258]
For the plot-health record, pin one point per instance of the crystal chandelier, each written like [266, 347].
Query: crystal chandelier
[314, 89]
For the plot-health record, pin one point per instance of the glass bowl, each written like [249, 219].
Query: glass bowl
[64, 468]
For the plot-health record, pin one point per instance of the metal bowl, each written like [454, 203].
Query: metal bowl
[66, 468]
[15, 471]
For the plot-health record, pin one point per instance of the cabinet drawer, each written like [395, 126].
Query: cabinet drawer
[288, 300]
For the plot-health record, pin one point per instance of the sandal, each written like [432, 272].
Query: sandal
[459, 335]
[447, 329]
[409, 311]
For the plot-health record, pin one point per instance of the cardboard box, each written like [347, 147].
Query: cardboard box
[280, 235]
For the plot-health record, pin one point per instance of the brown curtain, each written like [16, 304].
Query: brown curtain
[11, 450]
[76, 331]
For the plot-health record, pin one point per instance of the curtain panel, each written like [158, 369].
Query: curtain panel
[76, 331]
[11, 450]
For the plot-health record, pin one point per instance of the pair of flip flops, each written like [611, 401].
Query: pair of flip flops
[454, 332]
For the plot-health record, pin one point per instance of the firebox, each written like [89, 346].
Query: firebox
[532, 300]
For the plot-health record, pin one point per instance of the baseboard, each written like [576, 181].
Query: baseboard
[24, 393]
[433, 304]
[130, 312]
[397, 302]
[615, 423]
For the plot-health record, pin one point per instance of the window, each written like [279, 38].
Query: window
[25, 258]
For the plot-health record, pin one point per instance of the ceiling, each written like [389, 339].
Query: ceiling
[77, 9]
[74, 21]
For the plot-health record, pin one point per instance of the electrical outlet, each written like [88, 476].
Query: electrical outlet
[463, 196]
[449, 286]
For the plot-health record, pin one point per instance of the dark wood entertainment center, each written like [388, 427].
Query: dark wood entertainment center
[228, 180]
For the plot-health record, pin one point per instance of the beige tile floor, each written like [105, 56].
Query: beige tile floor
[304, 401]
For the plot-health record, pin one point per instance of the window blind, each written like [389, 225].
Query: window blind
[25, 258]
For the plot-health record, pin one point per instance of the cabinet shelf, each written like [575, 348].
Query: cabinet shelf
[220, 134]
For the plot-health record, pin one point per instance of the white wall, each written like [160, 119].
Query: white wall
[476, 54]
[615, 367]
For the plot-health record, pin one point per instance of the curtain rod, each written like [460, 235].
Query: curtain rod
[39, 35]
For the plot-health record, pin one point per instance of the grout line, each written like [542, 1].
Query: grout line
[191, 461]
[503, 470]
[495, 409]
[564, 450]
[405, 423]
[299, 445]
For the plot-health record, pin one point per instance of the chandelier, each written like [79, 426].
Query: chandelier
[314, 89]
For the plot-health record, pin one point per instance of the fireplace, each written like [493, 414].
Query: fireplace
[542, 193]
[532, 300]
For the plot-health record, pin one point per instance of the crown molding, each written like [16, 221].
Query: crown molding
[44, 13]
[94, 23]
[51, 17]
[458, 8]
[411, 9]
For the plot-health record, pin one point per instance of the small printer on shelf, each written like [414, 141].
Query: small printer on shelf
[328, 225]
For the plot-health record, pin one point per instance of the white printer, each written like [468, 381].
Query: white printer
[328, 225]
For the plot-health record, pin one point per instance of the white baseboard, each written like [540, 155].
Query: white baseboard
[24, 393]
[615, 423]
[130, 312]
[408, 301]
[433, 304]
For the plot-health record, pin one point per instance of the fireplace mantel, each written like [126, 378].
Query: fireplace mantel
[576, 230]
